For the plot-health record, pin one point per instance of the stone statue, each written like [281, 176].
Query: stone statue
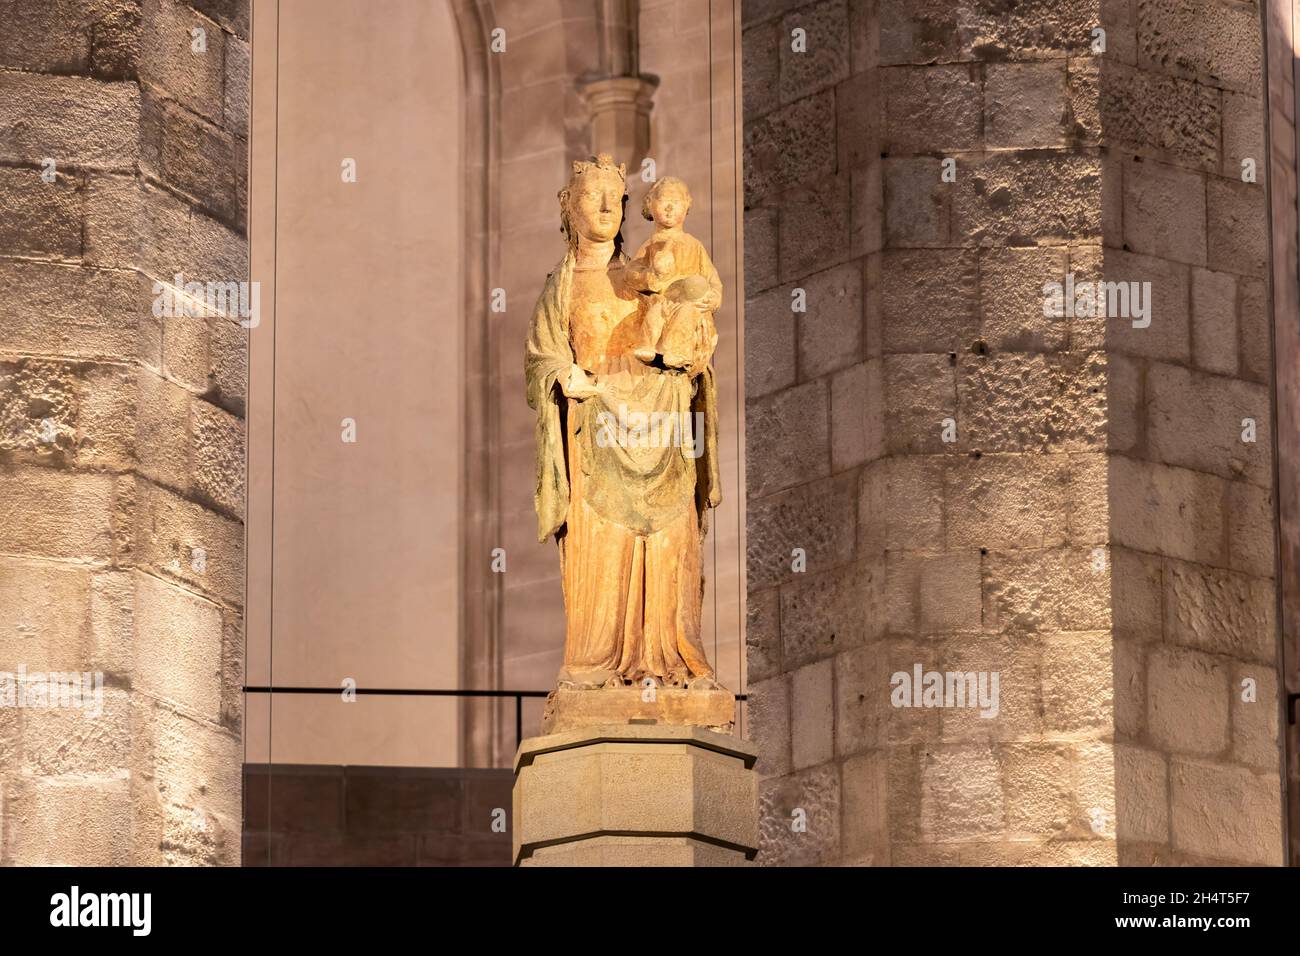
[618, 365]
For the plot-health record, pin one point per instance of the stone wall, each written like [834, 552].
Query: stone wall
[940, 475]
[121, 434]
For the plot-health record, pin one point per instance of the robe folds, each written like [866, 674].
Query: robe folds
[628, 509]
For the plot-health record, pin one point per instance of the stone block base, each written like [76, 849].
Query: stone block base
[635, 795]
[576, 709]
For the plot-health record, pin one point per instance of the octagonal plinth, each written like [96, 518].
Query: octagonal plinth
[635, 795]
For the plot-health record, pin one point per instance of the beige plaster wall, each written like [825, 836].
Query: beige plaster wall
[355, 569]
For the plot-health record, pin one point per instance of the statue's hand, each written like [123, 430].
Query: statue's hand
[579, 385]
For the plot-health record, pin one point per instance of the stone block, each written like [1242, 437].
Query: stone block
[1164, 212]
[1238, 226]
[649, 780]
[57, 514]
[1017, 402]
[917, 203]
[787, 438]
[573, 710]
[1198, 421]
[75, 120]
[1078, 683]
[1167, 510]
[44, 219]
[1011, 297]
[178, 640]
[768, 713]
[68, 821]
[1045, 590]
[1202, 39]
[812, 715]
[929, 300]
[1214, 321]
[857, 415]
[769, 342]
[1223, 813]
[1141, 795]
[819, 518]
[182, 541]
[217, 457]
[927, 594]
[799, 818]
[1038, 793]
[866, 812]
[830, 332]
[815, 227]
[824, 60]
[961, 794]
[1025, 105]
[920, 394]
[189, 66]
[1255, 741]
[828, 612]
[930, 109]
[763, 634]
[1187, 701]
[1022, 199]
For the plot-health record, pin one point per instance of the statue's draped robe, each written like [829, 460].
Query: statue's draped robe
[629, 512]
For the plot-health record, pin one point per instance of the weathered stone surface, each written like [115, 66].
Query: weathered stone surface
[1202, 40]
[961, 794]
[812, 715]
[930, 300]
[920, 394]
[568, 710]
[77, 121]
[929, 109]
[830, 332]
[178, 639]
[1052, 589]
[1238, 226]
[787, 438]
[1219, 611]
[1017, 402]
[1214, 321]
[680, 782]
[1024, 105]
[1254, 694]
[1027, 199]
[1198, 421]
[769, 343]
[1225, 813]
[169, 58]
[44, 219]
[820, 518]
[1078, 691]
[1158, 116]
[1011, 284]
[799, 818]
[857, 412]
[1164, 211]
[217, 464]
[1141, 795]
[823, 614]
[795, 144]
[1187, 701]
[932, 593]
[825, 60]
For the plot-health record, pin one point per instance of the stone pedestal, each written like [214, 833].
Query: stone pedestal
[576, 709]
[635, 795]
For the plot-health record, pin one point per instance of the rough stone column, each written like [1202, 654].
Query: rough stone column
[121, 434]
[942, 475]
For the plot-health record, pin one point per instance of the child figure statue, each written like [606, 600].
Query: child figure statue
[680, 285]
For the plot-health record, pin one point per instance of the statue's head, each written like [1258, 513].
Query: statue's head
[591, 205]
[667, 202]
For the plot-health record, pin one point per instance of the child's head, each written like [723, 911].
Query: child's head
[667, 202]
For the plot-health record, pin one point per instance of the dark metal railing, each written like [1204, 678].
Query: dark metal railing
[518, 695]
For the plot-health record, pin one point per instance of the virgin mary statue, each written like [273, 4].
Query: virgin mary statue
[626, 456]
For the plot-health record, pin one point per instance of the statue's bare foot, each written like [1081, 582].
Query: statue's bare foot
[705, 682]
[646, 354]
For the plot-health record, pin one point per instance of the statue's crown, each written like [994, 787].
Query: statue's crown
[600, 161]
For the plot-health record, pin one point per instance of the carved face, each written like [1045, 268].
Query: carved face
[596, 204]
[669, 207]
